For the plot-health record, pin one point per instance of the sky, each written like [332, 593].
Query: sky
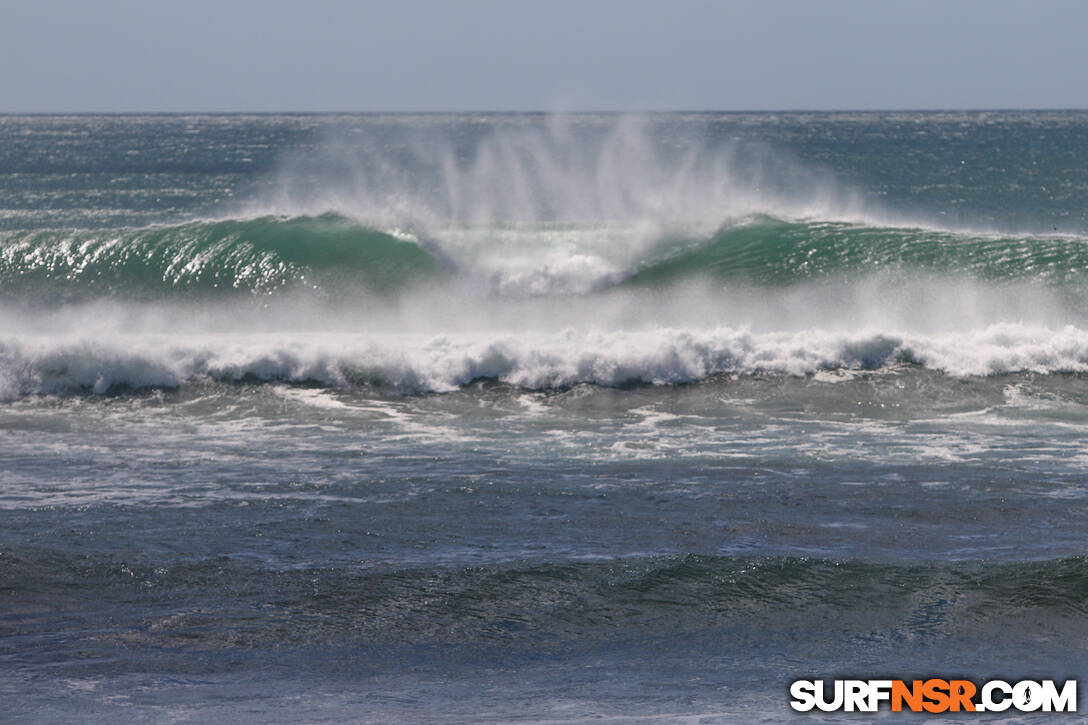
[544, 55]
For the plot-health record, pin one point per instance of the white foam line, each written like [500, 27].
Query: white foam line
[534, 360]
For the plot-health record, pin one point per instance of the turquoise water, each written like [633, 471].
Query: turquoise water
[459, 418]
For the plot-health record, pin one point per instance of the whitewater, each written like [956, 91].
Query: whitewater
[455, 417]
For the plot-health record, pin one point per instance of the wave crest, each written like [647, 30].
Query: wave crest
[770, 250]
[257, 256]
[417, 363]
[333, 254]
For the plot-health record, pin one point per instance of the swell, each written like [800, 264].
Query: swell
[257, 256]
[561, 600]
[768, 250]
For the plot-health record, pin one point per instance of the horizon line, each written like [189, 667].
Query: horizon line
[523, 112]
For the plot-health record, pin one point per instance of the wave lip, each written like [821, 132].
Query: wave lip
[416, 363]
[775, 250]
[257, 256]
[334, 255]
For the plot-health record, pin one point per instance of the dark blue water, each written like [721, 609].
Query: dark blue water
[509, 418]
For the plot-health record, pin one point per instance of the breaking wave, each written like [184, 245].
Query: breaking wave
[260, 256]
[420, 363]
[541, 258]
[770, 250]
[333, 254]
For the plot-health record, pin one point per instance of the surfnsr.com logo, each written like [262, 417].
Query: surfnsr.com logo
[933, 695]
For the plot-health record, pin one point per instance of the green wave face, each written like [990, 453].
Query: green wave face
[334, 254]
[257, 256]
[772, 251]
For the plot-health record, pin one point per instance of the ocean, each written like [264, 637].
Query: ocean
[457, 418]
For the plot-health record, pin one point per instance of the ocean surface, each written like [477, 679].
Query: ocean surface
[529, 418]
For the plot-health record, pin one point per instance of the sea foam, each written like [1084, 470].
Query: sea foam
[414, 363]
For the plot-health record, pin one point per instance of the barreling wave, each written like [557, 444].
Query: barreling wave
[332, 254]
[259, 256]
[415, 363]
[770, 250]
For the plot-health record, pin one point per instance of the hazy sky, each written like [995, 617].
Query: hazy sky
[371, 55]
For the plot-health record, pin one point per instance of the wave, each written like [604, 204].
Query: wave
[526, 599]
[414, 363]
[770, 250]
[260, 256]
[333, 254]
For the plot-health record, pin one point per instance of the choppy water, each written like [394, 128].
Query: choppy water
[461, 418]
